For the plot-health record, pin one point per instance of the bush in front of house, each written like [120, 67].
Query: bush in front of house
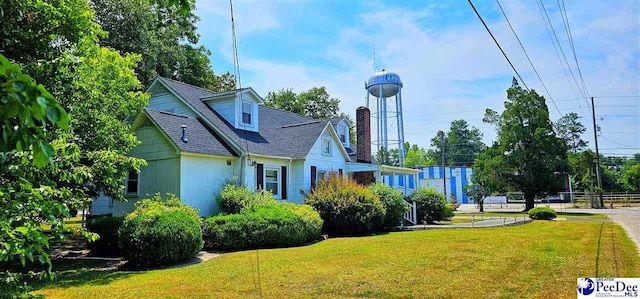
[542, 213]
[160, 232]
[278, 225]
[107, 229]
[346, 207]
[393, 203]
[431, 205]
[233, 198]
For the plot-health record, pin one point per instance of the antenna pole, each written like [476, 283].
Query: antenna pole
[373, 41]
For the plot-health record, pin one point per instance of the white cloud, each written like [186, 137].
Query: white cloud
[457, 67]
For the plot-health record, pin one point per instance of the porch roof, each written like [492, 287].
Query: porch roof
[383, 169]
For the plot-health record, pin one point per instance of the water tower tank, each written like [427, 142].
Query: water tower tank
[390, 84]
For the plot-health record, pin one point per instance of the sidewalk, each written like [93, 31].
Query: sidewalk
[495, 222]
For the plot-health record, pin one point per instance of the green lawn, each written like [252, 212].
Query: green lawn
[70, 223]
[540, 259]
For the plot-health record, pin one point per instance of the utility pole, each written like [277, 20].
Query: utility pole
[444, 170]
[595, 137]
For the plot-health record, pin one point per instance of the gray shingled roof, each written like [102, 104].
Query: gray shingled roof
[282, 133]
[200, 139]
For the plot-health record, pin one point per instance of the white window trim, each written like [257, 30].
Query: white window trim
[325, 140]
[132, 194]
[278, 179]
[251, 118]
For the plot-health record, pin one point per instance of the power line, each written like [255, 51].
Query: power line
[543, 13]
[528, 58]
[498, 44]
[570, 36]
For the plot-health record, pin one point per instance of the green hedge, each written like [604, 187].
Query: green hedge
[393, 203]
[542, 213]
[160, 232]
[107, 228]
[431, 205]
[346, 207]
[233, 198]
[278, 225]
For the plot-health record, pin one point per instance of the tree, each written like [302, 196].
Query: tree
[527, 151]
[462, 144]
[285, 99]
[488, 176]
[164, 35]
[631, 177]
[100, 90]
[569, 128]
[416, 157]
[315, 102]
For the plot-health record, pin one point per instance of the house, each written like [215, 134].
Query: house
[195, 141]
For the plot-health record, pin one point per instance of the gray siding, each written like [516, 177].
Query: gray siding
[226, 108]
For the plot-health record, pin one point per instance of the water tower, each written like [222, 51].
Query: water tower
[384, 86]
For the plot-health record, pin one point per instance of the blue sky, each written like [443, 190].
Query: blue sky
[450, 67]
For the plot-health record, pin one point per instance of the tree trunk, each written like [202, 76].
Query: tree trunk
[481, 205]
[529, 201]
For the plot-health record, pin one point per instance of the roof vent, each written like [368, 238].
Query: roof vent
[184, 134]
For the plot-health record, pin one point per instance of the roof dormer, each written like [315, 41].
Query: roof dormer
[238, 107]
[342, 126]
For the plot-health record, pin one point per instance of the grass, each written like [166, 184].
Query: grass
[70, 223]
[539, 259]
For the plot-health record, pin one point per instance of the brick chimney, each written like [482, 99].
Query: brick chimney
[363, 134]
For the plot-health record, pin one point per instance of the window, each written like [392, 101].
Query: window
[326, 147]
[271, 180]
[321, 175]
[246, 113]
[132, 183]
[343, 135]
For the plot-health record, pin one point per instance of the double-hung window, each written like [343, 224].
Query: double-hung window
[132, 183]
[272, 180]
[247, 108]
[326, 147]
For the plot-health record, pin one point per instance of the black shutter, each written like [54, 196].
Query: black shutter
[260, 176]
[340, 172]
[313, 177]
[284, 182]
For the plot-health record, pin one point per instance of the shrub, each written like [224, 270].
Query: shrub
[160, 232]
[107, 228]
[233, 198]
[157, 204]
[542, 213]
[431, 205]
[264, 226]
[393, 203]
[346, 207]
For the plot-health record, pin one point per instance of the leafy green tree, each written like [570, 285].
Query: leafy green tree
[285, 99]
[569, 128]
[462, 144]
[527, 151]
[164, 35]
[315, 102]
[385, 157]
[631, 177]
[416, 157]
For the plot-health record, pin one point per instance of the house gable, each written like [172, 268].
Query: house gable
[164, 100]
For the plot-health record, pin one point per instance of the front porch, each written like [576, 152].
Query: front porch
[377, 173]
